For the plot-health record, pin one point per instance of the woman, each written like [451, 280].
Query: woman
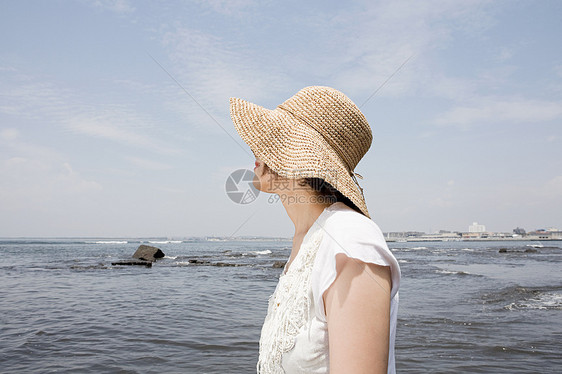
[334, 309]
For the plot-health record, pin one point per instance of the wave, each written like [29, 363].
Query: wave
[519, 297]
[400, 249]
[547, 300]
[252, 254]
[265, 252]
[165, 241]
[452, 272]
[419, 248]
[39, 242]
[62, 241]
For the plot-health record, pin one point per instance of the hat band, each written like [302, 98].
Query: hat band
[330, 142]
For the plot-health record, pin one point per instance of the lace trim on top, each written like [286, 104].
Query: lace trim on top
[288, 308]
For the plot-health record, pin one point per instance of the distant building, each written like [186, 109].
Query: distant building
[475, 227]
[403, 234]
[519, 231]
[471, 235]
[542, 234]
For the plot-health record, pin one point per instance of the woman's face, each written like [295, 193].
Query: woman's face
[264, 179]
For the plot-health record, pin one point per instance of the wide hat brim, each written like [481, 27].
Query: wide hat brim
[293, 149]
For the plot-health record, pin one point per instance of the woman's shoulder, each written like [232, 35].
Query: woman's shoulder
[346, 223]
[354, 235]
[347, 232]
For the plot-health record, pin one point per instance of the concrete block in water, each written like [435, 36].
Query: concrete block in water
[148, 253]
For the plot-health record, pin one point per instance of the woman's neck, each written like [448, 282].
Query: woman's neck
[303, 210]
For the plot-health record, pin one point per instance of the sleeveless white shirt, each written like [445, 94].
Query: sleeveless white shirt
[294, 336]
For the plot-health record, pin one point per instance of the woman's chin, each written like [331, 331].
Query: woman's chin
[257, 184]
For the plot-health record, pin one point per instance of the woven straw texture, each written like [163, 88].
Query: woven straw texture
[319, 132]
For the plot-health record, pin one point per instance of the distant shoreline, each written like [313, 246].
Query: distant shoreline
[156, 241]
[411, 240]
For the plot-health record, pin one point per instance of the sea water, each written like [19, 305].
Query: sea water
[464, 306]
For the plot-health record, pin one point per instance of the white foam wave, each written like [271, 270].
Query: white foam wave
[403, 261]
[443, 271]
[535, 245]
[171, 257]
[165, 241]
[111, 242]
[547, 300]
[419, 248]
[265, 252]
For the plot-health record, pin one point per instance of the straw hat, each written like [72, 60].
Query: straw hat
[319, 132]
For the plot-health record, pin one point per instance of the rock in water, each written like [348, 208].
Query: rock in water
[279, 264]
[148, 253]
[148, 264]
[198, 262]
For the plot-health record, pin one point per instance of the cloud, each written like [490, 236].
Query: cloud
[553, 188]
[355, 49]
[212, 67]
[505, 54]
[379, 36]
[28, 98]
[42, 102]
[539, 199]
[558, 71]
[116, 125]
[148, 164]
[116, 6]
[487, 110]
[501, 205]
[212, 70]
[37, 174]
[229, 7]
[9, 134]
[39, 195]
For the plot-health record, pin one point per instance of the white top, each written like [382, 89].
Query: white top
[294, 337]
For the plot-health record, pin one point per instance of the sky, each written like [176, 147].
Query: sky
[114, 114]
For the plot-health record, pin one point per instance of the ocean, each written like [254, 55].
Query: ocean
[464, 306]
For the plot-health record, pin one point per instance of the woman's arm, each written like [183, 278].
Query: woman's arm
[358, 314]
